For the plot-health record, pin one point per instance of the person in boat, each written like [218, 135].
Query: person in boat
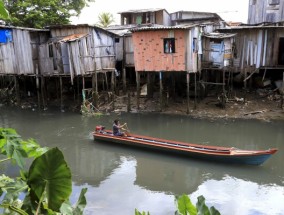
[116, 128]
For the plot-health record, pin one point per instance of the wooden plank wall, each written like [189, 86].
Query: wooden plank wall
[104, 50]
[257, 48]
[17, 57]
[265, 11]
[129, 51]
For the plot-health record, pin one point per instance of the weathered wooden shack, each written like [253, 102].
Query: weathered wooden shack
[167, 51]
[145, 16]
[257, 47]
[78, 50]
[193, 17]
[265, 11]
[82, 52]
[258, 54]
[19, 49]
[19, 58]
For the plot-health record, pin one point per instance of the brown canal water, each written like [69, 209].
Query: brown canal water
[120, 179]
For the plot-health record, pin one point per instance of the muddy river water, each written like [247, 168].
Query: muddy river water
[120, 179]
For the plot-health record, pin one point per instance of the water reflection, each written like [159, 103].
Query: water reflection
[236, 196]
[121, 179]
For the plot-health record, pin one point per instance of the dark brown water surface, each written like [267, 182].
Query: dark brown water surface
[120, 179]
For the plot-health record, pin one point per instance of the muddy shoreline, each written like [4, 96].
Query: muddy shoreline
[252, 105]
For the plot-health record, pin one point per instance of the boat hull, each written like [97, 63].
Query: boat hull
[211, 153]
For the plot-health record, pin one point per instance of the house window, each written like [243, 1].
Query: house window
[169, 45]
[50, 50]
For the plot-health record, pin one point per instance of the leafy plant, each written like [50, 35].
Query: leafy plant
[185, 206]
[105, 19]
[47, 185]
[41, 13]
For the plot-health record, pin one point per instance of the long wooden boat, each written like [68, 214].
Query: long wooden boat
[212, 153]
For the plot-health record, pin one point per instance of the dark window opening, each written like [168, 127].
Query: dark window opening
[169, 45]
[50, 50]
[281, 51]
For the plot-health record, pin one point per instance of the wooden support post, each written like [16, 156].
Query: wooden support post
[78, 88]
[173, 85]
[223, 96]
[61, 94]
[123, 65]
[282, 98]
[245, 86]
[187, 91]
[83, 82]
[128, 102]
[18, 101]
[195, 90]
[149, 85]
[161, 90]
[124, 80]
[138, 89]
[37, 88]
[113, 88]
[94, 94]
[43, 94]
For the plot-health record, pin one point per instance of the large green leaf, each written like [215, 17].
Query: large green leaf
[214, 211]
[3, 12]
[201, 206]
[49, 175]
[185, 206]
[81, 203]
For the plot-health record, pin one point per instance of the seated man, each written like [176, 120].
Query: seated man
[116, 128]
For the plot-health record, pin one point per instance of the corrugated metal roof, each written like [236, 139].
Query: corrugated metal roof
[219, 35]
[142, 10]
[23, 28]
[162, 27]
[72, 37]
[250, 27]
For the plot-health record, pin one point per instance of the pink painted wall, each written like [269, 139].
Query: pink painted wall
[149, 51]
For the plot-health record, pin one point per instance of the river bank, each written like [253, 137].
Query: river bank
[253, 105]
[261, 104]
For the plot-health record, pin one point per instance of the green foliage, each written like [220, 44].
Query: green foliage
[4, 14]
[17, 149]
[48, 172]
[105, 19]
[41, 13]
[47, 185]
[185, 207]
[139, 213]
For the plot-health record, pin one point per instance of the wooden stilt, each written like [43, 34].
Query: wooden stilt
[113, 89]
[195, 90]
[37, 88]
[138, 89]
[245, 85]
[61, 94]
[78, 88]
[94, 90]
[43, 94]
[18, 101]
[187, 91]
[124, 80]
[223, 90]
[149, 85]
[161, 91]
[128, 102]
[282, 98]
[83, 82]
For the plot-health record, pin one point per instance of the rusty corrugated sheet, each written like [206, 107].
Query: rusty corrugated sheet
[72, 37]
